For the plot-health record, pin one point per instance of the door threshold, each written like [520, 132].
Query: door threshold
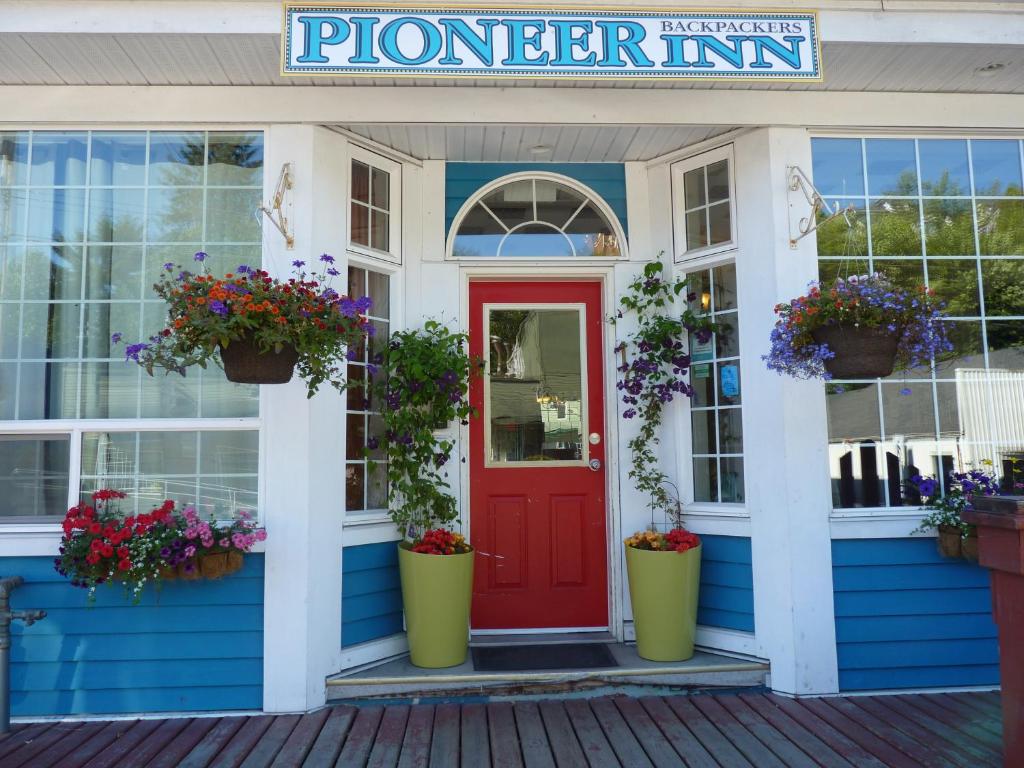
[541, 638]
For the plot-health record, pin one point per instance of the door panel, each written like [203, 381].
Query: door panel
[537, 477]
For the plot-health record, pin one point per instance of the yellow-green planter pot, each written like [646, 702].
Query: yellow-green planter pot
[663, 588]
[436, 593]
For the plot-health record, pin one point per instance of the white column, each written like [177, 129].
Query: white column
[785, 430]
[304, 447]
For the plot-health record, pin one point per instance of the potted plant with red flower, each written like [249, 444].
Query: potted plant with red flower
[425, 383]
[261, 328]
[663, 568]
[861, 327]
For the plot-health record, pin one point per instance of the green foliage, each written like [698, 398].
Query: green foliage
[424, 387]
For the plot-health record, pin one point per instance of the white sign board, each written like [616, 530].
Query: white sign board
[550, 43]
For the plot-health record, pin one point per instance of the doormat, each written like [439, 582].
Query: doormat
[547, 656]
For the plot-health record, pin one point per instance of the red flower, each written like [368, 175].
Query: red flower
[107, 551]
[95, 528]
[123, 552]
[124, 564]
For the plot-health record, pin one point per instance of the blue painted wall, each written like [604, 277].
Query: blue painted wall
[726, 583]
[371, 593]
[908, 618]
[463, 180]
[191, 646]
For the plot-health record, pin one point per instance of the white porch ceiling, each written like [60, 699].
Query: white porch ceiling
[566, 143]
[253, 59]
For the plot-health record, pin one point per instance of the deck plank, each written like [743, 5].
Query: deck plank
[836, 740]
[50, 745]
[84, 751]
[387, 745]
[791, 729]
[598, 751]
[191, 736]
[790, 754]
[357, 747]
[754, 750]
[266, 748]
[325, 750]
[475, 743]
[867, 739]
[210, 744]
[961, 709]
[565, 747]
[980, 703]
[955, 721]
[243, 742]
[975, 751]
[416, 742]
[143, 753]
[300, 740]
[124, 745]
[533, 741]
[625, 744]
[21, 735]
[503, 735]
[678, 735]
[446, 738]
[659, 751]
[714, 742]
[904, 722]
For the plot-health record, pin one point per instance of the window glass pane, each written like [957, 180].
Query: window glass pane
[732, 479]
[536, 240]
[967, 352]
[693, 188]
[556, 203]
[360, 224]
[720, 227]
[829, 270]
[13, 215]
[376, 485]
[380, 192]
[704, 436]
[955, 281]
[696, 229]
[949, 228]
[512, 203]
[1003, 280]
[174, 215]
[229, 452]
[845, 235]
[718, 181]
[838, 166]
[996, 167]
[895, 227]
[892, 167]
[909, 410]
[591, 235]
[1001, 227]
[56, 215]
[727, 342]
[231, 216]
[380, 236]
[34, 475]
[944, 171]
[728, 375]
[904, 273]
[116, 215]
[1006, 346]
[355, 490]
[730, 430]
[47, 391]
[705, 479]
[360, 182]
[725, 287]
[176, 159]
[235, 159]
[379, 291]
[355, 435]
[13, 158]
[854, 434]
[534, 403]
[118, 159]
[109, 390]
[58, 159]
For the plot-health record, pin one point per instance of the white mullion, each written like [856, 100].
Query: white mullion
[87, 200]
[24, 271]
[575, 214]
[74, 467]
[867, 205]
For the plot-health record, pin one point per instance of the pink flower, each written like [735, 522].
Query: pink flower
[261, 535]
[190, 551]
[224, 542]
[191, 533]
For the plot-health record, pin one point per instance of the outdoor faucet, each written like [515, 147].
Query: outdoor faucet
[8, 585]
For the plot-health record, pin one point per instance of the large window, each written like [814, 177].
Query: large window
[366, 489]
[947, 213]
[715, 410]
[87, 219]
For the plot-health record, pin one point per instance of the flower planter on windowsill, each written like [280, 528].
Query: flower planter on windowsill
[214, 565]
[950, 541]
[663, 589]
[245, 363]
[861, 352]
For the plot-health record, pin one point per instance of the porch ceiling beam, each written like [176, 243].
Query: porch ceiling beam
[505, 106]
[981, 22]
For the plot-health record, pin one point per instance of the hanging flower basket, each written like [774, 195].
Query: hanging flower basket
[860, 352]
[245, 363]
[949, 541]
[969, 545]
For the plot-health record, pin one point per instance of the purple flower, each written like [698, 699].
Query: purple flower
[131, 352]
[218, 307]
[115, 338]
[243, 269]
[326, 258]
[905, 391]
[298, 263]
[200, 256]
[373, 443]
[168, 266]
[333, 272]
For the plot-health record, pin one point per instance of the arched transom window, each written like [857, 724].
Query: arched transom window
[535, 218]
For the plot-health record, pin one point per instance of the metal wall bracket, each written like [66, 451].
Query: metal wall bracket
[280, 208]
[797, 181]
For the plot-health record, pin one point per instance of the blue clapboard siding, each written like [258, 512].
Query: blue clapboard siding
[726, 583]
[464, 180]
[371, 594]
[908, 618]
[189, 646]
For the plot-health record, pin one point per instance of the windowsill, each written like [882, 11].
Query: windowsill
[708, 509]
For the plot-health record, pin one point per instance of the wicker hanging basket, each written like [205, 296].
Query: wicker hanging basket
[949, 541]
[861, 352]
[217, 565]
[969, 547]
[245, 363]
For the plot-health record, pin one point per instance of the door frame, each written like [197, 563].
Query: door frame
[605, 276]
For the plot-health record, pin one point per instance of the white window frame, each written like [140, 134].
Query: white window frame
[394, 170]
[678, 170]
[25, 536]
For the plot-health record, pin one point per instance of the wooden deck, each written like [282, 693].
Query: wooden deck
[729, 730]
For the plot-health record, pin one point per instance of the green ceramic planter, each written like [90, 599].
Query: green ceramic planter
[436, 594]
[663, 588]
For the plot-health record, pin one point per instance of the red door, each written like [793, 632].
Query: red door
[536, 475]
